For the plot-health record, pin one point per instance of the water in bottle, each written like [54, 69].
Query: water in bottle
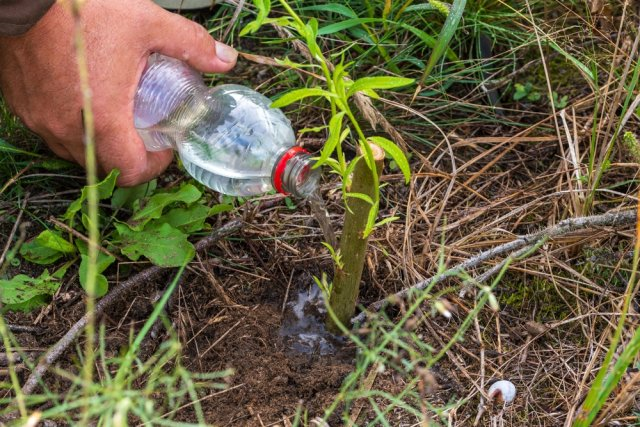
[227, 136]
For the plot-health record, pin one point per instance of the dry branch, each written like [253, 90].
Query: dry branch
[611, 219]
[61, 346]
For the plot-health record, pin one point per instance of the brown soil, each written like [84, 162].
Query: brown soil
[270, 380]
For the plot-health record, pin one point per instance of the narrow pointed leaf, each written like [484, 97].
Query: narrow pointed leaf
[298, 94]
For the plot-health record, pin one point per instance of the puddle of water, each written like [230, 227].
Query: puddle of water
[303, 329]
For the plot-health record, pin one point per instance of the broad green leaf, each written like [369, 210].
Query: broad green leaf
[24, 293]
[395, 153]
[101, 284]
[5, 147]
[46, 248]
[218, 209]
[384, 82]
[102, 263]
[298, 94]
[105, 190]
[162, 244]
[125, 197]
[446, 34]
[156, 204]
[338, 8]
[335, 125]
[188, 220]
[36, 253]
[52, 240]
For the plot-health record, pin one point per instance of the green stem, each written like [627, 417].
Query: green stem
[92, 198]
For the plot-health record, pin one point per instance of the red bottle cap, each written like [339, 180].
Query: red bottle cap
[282, 165]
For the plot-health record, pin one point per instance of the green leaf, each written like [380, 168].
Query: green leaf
[429, 41]
[346, 24]
[263, 7]
[24, 293]
[102, 263]
[335, 125]
[34, 252]
[446, 34]
[371, 220]
[298, 94]
[384, 82]
[188, 220]
[314, 129]
[52, 240]
[5, 147]
[101, 284]
[46, 248]
[162, 244]
[586, 71]
[386, 220]
[104, 188]
[156, 204]
[338, 8]
[218, 209]
[395, 153]
[360, 196]
[125, 197]
[521, 91]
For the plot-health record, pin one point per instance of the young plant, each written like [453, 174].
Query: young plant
[360, 177]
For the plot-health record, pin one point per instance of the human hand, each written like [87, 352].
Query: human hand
[39, 78]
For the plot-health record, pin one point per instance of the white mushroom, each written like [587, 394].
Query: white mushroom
[502, 391]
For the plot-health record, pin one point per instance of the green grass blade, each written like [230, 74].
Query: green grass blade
[346, 24]
[5, 147]
[446, 34]
[338, 8]
[599, 394]
[586, 71]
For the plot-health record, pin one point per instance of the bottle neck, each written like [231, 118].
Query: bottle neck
[294, 174]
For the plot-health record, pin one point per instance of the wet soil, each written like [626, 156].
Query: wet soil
[270, 380]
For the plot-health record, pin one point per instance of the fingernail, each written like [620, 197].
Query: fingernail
[226, 53]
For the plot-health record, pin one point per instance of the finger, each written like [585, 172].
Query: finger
[180, 38]
[120, 147]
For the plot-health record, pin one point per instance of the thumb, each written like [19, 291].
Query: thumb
[180, 38]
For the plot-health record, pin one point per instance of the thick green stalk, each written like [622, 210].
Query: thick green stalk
[353, 243]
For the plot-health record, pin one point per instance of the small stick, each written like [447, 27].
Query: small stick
[610, 219]
[81, 236]
[13, 230]
[61, 346]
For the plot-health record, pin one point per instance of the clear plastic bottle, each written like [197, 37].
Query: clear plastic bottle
[227, 136]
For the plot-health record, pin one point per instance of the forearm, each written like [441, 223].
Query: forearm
[18, 16]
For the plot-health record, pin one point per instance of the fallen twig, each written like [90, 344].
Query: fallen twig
[611, 219]
[3, 256]
[63, 343]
